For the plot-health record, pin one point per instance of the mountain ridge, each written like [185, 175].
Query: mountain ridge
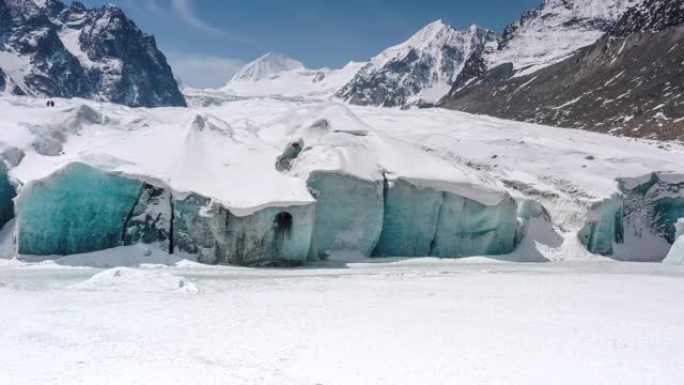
[418, 71]
[52, 49]
[630, 82]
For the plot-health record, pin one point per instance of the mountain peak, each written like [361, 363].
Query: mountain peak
[418, 71]
[267, 66]
[95, 53]
[437, 30]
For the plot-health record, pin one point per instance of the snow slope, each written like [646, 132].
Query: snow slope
[553, 31]
[277, 75]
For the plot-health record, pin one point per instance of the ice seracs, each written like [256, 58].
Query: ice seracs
[272, 181]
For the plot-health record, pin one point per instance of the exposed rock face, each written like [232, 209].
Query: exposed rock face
[418, 71]
[52, 50]
[651, 16]
[630, 82]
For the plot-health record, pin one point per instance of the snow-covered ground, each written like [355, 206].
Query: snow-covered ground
[421, 321]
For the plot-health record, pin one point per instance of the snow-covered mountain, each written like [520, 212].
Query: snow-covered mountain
[651, 16]
[278, 75]
[630, 82]
[266, 67]
[544, 36]
[49, 49]
[555, 30]
[418, 71]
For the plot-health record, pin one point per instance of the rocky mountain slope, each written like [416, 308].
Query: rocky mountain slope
[278, 75]
[418, 71]
[630, 82]
[49, 49]
[544, 36]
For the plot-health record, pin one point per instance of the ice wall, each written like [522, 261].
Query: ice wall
[349, 213]
[466, 228]
[426, 222]
[269, 236]
[639, 223]
[410, 220]
[76, 210]
[82, 209]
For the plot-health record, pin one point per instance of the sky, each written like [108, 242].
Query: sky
[207, 41]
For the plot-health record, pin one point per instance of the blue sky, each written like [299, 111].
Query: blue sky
[208, 40]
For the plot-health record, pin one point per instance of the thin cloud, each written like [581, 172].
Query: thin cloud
[184, 9]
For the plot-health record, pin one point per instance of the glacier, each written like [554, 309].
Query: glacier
[267, 181]
[639, 224]
[82, 209]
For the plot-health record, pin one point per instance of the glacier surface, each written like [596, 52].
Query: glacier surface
[274, 181]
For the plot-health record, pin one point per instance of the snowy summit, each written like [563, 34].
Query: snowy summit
[418, 71]
[278, 75]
